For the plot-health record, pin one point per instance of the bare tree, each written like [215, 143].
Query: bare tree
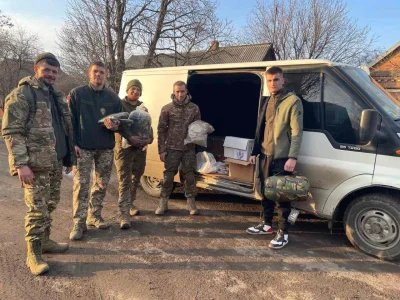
[5, 21]
[17, 51]
[181, 28]
[111, 30]
[304, 29]
[99, 30]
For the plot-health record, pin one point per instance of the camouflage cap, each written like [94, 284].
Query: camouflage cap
[46, 55]
[135, 82]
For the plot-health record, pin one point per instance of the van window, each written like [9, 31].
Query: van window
[385, 101]
[342, 113]
[307, 87]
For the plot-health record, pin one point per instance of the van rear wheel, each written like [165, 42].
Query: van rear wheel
[372, 224]
[151, 185]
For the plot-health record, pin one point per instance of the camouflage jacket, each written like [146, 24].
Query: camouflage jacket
[27, 127]
[174, 122]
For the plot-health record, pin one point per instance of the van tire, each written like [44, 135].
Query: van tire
[151, 185]
[372, 225]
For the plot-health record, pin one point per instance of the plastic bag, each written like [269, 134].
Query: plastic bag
[206, 163]
[125, 143]
[141, 122]
[117, 116]
[141, 125]
[222, 168]
[198, 132]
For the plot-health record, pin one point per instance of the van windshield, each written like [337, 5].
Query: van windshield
[386, 101]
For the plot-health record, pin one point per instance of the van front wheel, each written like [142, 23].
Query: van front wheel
[151, 185]
[372, 224]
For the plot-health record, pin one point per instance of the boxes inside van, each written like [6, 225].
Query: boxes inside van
[238, 148]
[240, 169]
[229, 102]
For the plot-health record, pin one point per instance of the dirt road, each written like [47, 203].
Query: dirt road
[177, 256]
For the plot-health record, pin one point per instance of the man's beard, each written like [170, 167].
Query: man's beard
[45, 79]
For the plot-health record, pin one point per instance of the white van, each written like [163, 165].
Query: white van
[351, 143]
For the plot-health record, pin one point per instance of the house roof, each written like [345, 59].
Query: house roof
[223, 55]
[384, 55]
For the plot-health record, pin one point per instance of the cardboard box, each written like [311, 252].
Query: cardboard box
[239, 169]
[238, 148]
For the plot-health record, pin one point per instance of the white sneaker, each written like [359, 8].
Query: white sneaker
[281, 239]
[261, 228]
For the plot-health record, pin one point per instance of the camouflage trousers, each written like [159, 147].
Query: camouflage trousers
[130, 164]
[81, 205]
[42, 198]
[187, 162]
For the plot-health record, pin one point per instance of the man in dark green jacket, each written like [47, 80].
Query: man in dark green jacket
[130, 162]
[278, 140]
[37, 130]
[94, 143]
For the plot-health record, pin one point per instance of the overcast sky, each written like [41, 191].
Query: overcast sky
[46, 17]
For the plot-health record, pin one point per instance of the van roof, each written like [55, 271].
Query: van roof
[277, 63]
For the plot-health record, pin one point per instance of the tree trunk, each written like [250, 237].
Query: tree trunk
[157, 33]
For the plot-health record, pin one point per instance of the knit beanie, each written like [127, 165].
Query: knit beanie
[135, 82]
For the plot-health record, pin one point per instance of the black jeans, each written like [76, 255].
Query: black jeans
[284, 208]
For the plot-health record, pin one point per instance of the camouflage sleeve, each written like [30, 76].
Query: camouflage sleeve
[162, 130]
[296, 126]
[197, 115]
[74, 116]
[16, 113]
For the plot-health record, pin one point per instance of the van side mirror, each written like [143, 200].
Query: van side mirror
[370, 119]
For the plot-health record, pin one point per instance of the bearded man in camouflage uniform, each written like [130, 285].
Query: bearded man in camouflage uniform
[278, 139]
[37, 130]
[94, 143]
[130, 162]
[173, 126]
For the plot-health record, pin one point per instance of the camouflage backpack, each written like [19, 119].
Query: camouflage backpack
[287, 188]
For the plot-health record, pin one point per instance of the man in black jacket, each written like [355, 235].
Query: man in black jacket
[93, 143]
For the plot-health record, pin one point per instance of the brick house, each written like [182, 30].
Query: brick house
[386, 70]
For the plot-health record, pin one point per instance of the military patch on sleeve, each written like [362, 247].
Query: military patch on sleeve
[103, 111]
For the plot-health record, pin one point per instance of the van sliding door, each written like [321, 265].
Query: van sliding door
[229, 100]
